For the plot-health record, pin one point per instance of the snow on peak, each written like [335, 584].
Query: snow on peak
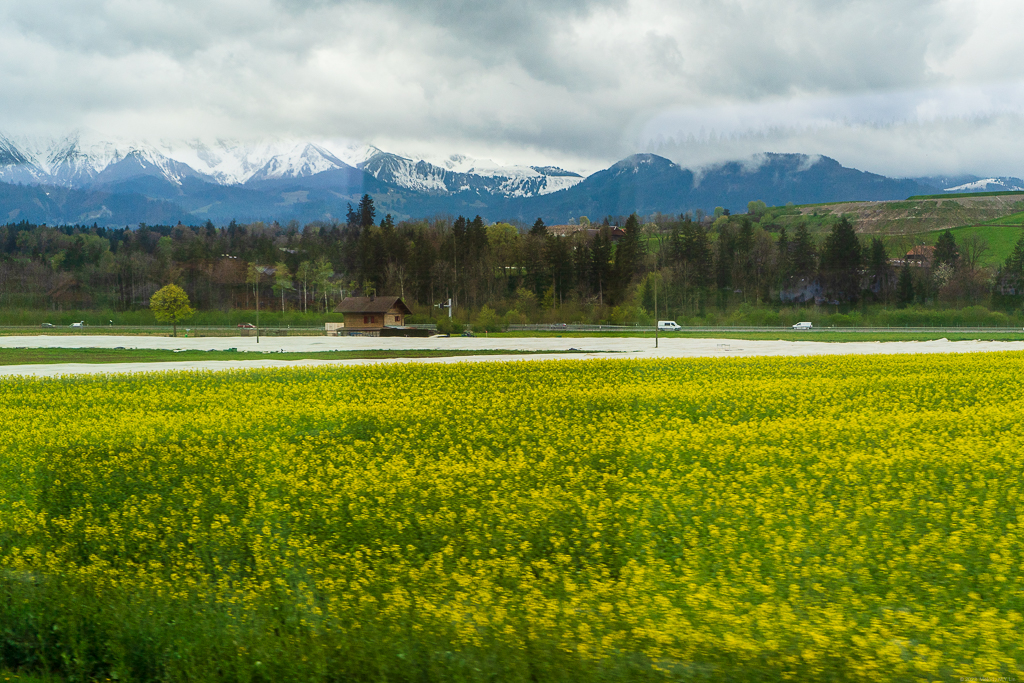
[83, 157]
[985, 185]
[300, 161]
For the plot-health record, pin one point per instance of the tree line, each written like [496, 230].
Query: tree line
[617, 267]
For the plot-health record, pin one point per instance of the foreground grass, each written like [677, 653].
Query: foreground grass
[18, 677]
[23, 356]
[839, 519]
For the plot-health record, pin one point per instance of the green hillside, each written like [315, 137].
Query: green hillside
[904, 217]
[997, 217]
[1000, 238]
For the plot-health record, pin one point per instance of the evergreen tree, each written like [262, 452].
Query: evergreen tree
[946, 251]
[647, 295]
[743, 259]
[366, 211]
[352, 217]
[840, 261]
[905, 286]
[802, 260]
[676, 245]
[783, 269]
[1011, 277]
[559, 262]
[627, 255]
[725, 254]
[600, 259]
[539, 229]
[1015, 261]
[879, 268]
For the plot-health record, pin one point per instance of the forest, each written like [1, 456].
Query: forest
[622, 270]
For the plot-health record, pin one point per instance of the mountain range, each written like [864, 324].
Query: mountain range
[85, 178]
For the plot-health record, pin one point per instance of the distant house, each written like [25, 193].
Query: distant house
[370, 313]
[616, 232]
[922, 255]
[563, 230]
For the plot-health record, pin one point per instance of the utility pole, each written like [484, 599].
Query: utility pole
[655, 312]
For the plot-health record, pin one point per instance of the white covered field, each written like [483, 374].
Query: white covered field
[606, 347]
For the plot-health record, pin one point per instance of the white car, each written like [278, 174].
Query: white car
[78, 324]
[803, 326]
[668, 326]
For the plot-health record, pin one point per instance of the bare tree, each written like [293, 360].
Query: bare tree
[304, 275]
[972, 249]
[394, 274]
[282, 280]
[322, 273]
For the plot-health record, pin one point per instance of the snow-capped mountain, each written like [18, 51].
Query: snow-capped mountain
[459, 173]
[299, 162]
[16, 166]
[1004, 184]
[84, 158]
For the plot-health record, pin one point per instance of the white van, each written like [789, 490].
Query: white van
[803, 326]
[668, 326]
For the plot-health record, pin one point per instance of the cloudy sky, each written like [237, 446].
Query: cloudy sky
[902, 88]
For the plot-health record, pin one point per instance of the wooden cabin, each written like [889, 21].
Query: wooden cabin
[372, 313]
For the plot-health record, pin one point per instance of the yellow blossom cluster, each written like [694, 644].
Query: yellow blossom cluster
[835, 518]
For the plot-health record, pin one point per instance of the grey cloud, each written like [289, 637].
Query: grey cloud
[588, 80]
[984, 145]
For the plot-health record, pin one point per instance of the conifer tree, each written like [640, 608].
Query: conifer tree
[802, 260]
[367, 212]
[946, 251]
[905, 286]
[840, 261]
[879, 268]
[783, 246]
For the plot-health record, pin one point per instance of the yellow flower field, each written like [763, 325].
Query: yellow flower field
[835, 518]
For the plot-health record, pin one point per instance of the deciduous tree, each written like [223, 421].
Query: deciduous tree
[170, 304]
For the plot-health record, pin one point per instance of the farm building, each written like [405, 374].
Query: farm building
[922, 255]
[371, 313]
[616, 233]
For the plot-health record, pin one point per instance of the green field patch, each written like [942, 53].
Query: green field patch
[1012, 219]
[1000, 238]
